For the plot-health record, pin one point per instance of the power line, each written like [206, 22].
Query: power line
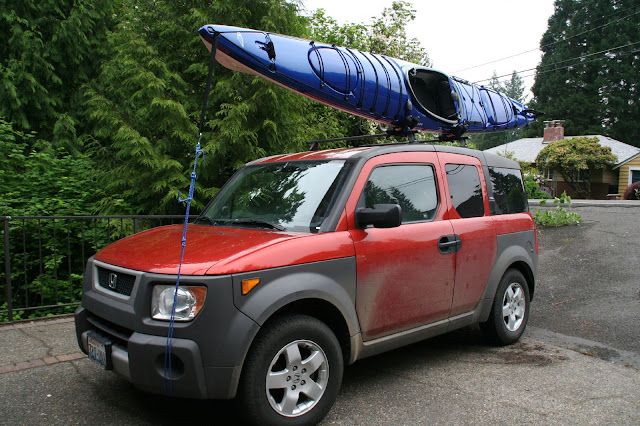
[552, 43]
[579, 58]
[575, 64]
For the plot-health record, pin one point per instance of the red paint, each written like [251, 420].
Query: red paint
[403, 281]
[510, 223]
[221, 250]
[477, 253]
[474, 261]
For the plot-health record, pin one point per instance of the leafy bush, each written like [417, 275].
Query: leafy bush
[558, 217]
[533, 186]
[576, 159]
[632, 192]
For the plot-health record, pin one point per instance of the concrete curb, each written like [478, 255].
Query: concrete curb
[589, 203]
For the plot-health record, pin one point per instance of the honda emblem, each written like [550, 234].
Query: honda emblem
[113, 281]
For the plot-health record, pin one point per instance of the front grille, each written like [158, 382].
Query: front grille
[117, 334]
[116, 281]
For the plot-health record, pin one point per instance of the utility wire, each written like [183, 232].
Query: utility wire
[550, 44]
[579, 58]
[574, 64]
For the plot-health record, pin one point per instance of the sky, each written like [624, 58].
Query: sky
[460, 34]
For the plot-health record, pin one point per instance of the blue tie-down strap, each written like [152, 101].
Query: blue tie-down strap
[168, 382]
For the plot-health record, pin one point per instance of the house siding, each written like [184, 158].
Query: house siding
[623, 181]
[602, 182]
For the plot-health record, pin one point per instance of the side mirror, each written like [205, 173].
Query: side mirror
[380, 216]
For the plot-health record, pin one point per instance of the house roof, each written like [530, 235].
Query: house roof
[527, 149]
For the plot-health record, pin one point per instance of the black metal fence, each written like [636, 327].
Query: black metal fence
[45, 256]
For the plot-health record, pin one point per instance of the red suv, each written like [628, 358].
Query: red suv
[306, 262]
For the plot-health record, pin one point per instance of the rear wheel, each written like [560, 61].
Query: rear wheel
[510, 310]
[292, 374]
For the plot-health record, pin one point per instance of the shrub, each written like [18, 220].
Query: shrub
[558, 217]
[632, 192]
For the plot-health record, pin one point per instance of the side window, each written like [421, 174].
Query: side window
[508, 190]
[411, 186]
[465, 189]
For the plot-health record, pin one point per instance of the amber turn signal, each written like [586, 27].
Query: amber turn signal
[248, 285]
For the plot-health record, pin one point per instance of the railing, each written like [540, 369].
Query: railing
[45, 257]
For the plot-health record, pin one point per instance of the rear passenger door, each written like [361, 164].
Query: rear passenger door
[404, 280]
[470, 218]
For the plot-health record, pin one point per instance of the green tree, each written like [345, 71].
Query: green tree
[145, 104]
[39, 179]
[385, 35]
[49, 49]
[513, 88]
[589, 71]
[575, 159]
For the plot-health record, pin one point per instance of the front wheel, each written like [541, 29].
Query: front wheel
[510, 310]
[292, 374]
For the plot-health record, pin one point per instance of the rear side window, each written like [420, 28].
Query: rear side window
[508, 190]
[465, 190]
[413, 187]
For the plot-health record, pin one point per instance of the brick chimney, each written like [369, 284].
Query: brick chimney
[553, 131]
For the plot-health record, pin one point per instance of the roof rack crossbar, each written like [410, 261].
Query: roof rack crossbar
[410, 134]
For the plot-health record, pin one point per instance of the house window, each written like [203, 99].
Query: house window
[634, 175]
[549, 174]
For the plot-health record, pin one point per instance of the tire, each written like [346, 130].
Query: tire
[510, 310]
[292, 373]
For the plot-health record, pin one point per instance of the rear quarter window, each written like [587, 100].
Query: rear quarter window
[508, 190]
[465, 190]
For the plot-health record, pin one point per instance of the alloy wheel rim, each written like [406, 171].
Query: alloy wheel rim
[513, 307]
[297, 378]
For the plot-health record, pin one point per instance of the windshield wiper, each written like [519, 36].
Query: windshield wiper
[226, 222]
[258, 222]
[207, 219]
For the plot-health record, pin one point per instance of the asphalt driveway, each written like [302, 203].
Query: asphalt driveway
[589, 278]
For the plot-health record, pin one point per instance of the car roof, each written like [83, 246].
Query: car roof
[370, 151]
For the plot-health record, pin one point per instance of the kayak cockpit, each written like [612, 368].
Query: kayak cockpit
[432, 93]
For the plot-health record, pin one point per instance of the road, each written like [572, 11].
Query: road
[589, 280]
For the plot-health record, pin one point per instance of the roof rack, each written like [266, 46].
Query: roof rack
[410, 134]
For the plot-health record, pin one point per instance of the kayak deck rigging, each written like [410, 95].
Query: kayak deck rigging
[397, 93]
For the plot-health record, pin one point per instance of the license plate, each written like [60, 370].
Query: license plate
[99, 350]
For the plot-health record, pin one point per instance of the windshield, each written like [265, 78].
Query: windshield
[292, 196]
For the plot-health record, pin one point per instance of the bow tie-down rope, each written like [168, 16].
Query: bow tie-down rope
[168, 380]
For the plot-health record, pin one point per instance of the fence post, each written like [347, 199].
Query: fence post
[7, 267]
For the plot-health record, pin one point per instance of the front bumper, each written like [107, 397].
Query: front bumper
[142, 363]
[207, 353]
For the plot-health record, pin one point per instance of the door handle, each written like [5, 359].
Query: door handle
[448, 244]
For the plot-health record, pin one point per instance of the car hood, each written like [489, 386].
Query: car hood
[222, 250]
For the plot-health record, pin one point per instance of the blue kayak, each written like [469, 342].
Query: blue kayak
[398, 93]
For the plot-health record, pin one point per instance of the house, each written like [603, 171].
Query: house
[613, 180]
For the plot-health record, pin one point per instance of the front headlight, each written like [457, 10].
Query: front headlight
[189, 301]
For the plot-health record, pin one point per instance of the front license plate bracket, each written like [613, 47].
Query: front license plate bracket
[99, 349]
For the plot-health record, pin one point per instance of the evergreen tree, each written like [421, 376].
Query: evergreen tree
[49, 48]
[146, 102]
[513, 88]
[589, 71]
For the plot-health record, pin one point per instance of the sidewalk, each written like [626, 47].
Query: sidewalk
[37, 343]
[453, 379]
